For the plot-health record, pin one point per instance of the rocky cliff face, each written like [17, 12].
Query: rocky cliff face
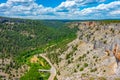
[94, 54]
[116, 52]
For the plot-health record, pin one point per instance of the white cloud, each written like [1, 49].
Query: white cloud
[73, 5]
[23, 7]
[115, 12]
[114, 4]
[20, 1]
[87, 1]
[102, 8]
[67, 4]
[67, 9]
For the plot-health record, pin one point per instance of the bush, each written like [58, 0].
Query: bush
[80, 58]
[81, 69]
[104, 70]
[69, 61]
[75, 70]
[84, 55]
[105, 42]
[93, 70]
[58, 72]
[85, 65]
[91, 78]
[78, 65]
[102, 78]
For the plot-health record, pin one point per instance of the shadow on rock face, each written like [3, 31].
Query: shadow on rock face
[118, 69]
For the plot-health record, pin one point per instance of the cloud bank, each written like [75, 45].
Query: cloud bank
[69, 9]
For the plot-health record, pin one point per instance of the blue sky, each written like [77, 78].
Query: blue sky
[61, 9]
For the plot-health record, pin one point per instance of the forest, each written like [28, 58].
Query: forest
[20, 35]
[22, 39]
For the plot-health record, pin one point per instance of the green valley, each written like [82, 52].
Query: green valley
[22, 39]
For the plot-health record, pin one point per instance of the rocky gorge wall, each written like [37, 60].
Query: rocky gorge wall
[93, 53]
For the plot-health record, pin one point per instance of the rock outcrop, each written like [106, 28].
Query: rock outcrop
[94, 53]
[116, 52]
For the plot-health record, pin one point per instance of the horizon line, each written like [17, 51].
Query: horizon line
[62, 19]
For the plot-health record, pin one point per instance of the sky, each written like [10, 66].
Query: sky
[61, 9]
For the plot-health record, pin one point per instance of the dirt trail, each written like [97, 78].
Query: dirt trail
[52, 70]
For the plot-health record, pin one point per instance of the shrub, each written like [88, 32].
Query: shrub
[75, 48]
[104, 70]
[85, 65]
[105, 42]
[69, 61]
[58, 72]
[78, 65]
[75, 70]
[81, 69]
[88, 52]
[93, 70]
[83, 75]
[94, 57]
[84, 55]
[102, 78]
[80, 58]
[91, 78]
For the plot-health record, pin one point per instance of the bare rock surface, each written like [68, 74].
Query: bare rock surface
[91, 54]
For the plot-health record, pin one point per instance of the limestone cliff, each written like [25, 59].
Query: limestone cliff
[94, 53]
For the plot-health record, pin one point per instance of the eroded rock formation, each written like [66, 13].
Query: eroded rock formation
[116, 52]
